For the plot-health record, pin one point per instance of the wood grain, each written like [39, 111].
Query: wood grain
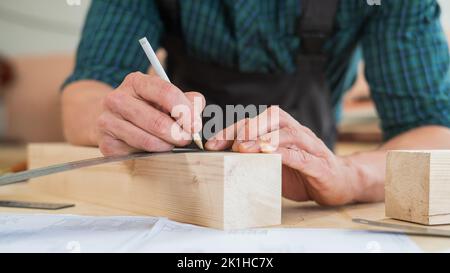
[418, 186]
[220, 190]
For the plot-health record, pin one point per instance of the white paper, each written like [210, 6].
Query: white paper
[69, 233]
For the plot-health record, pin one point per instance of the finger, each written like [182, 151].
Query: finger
[147, 118]
[294, 158]
[249, 147]
[196, 97]
[110, 146]
[131, 135]
[258, 146]
[164, 94]
[286, 137]
[260, 124]
[271, 119]
[298, 137]
[225, 138]
[199, 102]
[302, 161]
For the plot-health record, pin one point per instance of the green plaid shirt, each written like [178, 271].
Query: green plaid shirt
[403, 45]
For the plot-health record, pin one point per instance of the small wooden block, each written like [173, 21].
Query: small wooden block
[417, 186]
[219, 190]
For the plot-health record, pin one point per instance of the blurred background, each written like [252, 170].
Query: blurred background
[37, 45]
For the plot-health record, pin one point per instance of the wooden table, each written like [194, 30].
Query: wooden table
[11, 155]
[306, 215]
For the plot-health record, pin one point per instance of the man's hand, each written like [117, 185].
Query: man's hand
[147, 113]
[310, 170]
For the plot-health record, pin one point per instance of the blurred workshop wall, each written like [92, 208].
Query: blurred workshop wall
[43, 26]
[38, 41]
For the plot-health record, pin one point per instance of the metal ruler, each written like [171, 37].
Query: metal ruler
[25, 175]
[34, 205]
[404, 229]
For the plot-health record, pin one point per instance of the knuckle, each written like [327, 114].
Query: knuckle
[201, 98]
[166, 87]
[274, 108]
[109, 101]
[103, 122]
[274, 114]
[159, 123]
[114, 99]
[293, 132]
[140, 83]
[106, 146]
[147, 143]
[167, 92]
[133, 78]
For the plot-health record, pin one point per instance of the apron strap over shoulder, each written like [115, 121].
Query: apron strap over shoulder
[170, 14]
[315, 25]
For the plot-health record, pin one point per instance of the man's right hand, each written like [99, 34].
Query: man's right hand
[139, 115]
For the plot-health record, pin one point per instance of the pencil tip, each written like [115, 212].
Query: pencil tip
[198, 141]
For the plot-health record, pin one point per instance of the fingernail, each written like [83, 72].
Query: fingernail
[247, 145]
[267, 147]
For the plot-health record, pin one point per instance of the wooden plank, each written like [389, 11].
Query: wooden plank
[418, 186]
[220, 190]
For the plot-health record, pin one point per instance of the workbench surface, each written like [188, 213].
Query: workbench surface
[299, 215]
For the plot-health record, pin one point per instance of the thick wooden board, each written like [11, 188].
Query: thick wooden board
[418, 186]
[220, 190]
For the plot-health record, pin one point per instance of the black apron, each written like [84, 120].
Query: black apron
[304, 94]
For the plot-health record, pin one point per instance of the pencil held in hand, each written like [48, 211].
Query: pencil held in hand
[161, 73]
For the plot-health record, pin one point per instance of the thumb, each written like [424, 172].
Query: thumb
[198, 101]
[196, 97]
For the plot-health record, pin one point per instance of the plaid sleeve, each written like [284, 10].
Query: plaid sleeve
[109, 48]
[408, 65]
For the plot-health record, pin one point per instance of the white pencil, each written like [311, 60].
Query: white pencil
[161, 73]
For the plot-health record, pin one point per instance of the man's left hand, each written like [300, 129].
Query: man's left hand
[310, 170]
